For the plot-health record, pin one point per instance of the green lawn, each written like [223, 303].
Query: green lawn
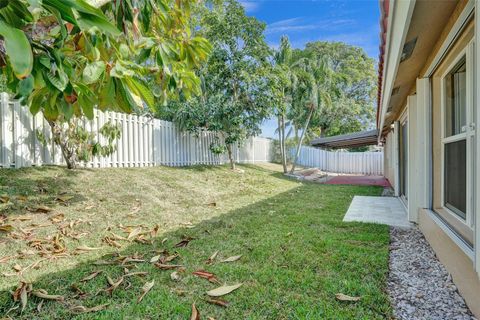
[296, 251]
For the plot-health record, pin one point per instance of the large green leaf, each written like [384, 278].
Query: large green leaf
[93, 71]
[141, 90]
[18, 50]
[59, 80]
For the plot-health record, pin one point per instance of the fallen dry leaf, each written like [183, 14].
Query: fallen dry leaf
[64, 198]
[17, 267]
[211, 259]
[163, 266]
[6, 228]
[44, 295]
[145, 289]
[195, 313]
[40, 209]
[175, 276]
[4, 199]
[344, 297]
[113, 284]
[223, 290]
[82, 309]
[184, 242]
[218, 302]
[21, 294]
[134, 233]
[155, 258]
[91, 276]
[85, 249]
[232, 259]
[57, 218]
[206, 275]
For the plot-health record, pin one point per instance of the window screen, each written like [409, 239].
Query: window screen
[456, 102]
[456, 177]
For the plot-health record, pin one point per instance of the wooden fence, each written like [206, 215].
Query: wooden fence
[368, 163]
[144, 142]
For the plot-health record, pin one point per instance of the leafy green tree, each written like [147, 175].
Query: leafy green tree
[236, 79]
[63, 57]
[356, 81]
[282, 89]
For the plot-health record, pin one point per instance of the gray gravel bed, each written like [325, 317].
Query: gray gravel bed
[418, 284]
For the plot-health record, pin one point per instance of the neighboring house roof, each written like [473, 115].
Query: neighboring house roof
[357, 139]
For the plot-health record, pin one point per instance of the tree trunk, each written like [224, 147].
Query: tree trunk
[230, 156]
[297, 153]
[281, 139]
[59, 138]
[284, 145]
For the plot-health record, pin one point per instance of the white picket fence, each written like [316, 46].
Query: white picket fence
[144, 142]
[368, 163]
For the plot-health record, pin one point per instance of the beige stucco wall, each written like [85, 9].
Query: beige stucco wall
[388, 159]
[454, 259]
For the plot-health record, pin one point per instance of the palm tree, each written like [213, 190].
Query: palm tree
[283, 61]
[313, 92]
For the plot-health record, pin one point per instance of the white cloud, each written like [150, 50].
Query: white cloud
[250, 6]
[300, 24]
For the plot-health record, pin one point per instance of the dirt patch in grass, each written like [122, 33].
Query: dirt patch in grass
[296, 253]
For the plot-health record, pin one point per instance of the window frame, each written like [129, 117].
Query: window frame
[468, 135]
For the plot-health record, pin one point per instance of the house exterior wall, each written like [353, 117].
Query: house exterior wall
[424, 108]
[388, 154]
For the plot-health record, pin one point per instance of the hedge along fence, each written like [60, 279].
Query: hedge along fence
[369, 163]
[144, 142]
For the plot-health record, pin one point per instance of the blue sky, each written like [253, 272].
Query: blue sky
[354, 22]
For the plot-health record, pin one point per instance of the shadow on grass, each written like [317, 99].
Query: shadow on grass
[296, 255]
[36, 186]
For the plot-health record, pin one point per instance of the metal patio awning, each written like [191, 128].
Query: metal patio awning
[351, 140]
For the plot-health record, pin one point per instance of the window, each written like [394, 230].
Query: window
[453, 137]
[455, 147]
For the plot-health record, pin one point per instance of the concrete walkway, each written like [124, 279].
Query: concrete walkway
[382, 210]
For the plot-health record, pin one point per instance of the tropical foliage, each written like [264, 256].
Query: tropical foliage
[235, 80]
[63, 57]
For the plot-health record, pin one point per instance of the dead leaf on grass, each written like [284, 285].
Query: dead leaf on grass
[344, 297]
[21, 294]
[218, 302]
[145, 289]
[211, 259]
[40, 209]
[113, 284]
[17, 267]
[206, 275]
[175, 276]
[195, 313]
[44, 295]
[6, 228]
[223, 290]
[57, 218]
[184, 242]
[83, 249]
[82, 309]
[4, 199]
[163, 266]
[64, 198]
[91, 276]
[232, 259]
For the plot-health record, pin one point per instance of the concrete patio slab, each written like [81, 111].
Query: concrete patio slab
[382, 210]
